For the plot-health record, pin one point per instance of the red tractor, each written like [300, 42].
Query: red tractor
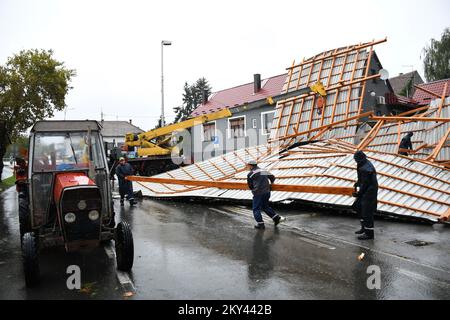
[65, 198]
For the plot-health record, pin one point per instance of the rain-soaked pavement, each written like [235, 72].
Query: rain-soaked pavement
[211, 251]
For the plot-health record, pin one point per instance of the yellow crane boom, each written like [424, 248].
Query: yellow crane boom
[155, 142]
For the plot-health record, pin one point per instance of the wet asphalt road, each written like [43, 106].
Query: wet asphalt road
[201, 251]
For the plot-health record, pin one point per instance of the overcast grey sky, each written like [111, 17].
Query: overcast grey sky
[115, 45]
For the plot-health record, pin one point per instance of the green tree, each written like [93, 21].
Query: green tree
[32, 86]
[407, 89]
[192, 97]
[437, 58]
[18, 147]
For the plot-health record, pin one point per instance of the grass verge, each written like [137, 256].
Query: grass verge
[7, 183]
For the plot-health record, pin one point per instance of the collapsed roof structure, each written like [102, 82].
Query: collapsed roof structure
[313, 139]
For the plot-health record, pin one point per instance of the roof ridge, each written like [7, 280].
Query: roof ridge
[246, 84]
[404, 74]
[442, 80]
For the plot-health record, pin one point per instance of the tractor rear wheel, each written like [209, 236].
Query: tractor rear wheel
[30, 258]
[24, 217]
[124, 246]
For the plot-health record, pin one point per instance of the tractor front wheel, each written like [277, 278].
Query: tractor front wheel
[124, 246]
[24, 217]
[30, 258]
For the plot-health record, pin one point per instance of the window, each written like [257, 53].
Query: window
[209, 131]
[266, 122]
[236, 127]
[66, 151]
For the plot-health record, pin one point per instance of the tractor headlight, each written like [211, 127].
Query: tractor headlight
[82, 205]
[93, 215]
[70, 217]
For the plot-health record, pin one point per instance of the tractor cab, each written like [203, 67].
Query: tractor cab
[68, 200]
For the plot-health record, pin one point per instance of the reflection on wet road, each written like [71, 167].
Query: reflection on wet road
[205, 251]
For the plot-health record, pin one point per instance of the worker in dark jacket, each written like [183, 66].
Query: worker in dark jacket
[366, 195]
[123, 170]
[258, 182]
[406, 143]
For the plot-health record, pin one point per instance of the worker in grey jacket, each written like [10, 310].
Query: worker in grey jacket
[258, 182]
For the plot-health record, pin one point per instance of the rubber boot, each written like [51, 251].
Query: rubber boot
[362, 230]
[368, 235]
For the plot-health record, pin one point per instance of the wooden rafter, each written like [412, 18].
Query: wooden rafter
[299, 76]
[349, 49]
[350, 87]
[370, 136]
[289, 118]
[244, 186]
[397, 177]
[444, 92]
[427, 91]
[409, 119]
[366, 114]
[439, 146]
[363, 90]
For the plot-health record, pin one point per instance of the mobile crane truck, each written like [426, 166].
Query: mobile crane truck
[150, 152]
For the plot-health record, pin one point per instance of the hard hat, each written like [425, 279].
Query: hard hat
[121, 158]
[252, 163]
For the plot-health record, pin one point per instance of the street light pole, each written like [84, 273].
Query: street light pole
[163, 43]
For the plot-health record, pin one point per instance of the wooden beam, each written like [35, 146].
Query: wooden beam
[439, 146]
[331, 69]
[311, 114]
[333, 87]
[370, 136]
[333, 110]
[350, 87]
[299, 76]
[408, 119]
[319, 134]
[399, 133]
[405, 168]
[362, 115]
[363, 89]
[397, 177]
[243, 185]
[427, 91]
[289, 119]
[408, 207]
[410, 194]
[407, 113]
[444, 92]
[354, 48]
[445, 216]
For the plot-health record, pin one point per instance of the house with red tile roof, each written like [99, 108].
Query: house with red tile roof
[422, 97]
[241, 95]
[252, 106]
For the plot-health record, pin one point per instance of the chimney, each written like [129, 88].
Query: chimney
[204, 97]
[256, 82]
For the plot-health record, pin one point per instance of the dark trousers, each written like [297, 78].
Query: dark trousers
[261, 202]
[365, 207]
[126, 190]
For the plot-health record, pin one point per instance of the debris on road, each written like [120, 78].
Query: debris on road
[311, 146]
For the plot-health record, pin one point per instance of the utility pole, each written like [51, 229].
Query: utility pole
[163, 43]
